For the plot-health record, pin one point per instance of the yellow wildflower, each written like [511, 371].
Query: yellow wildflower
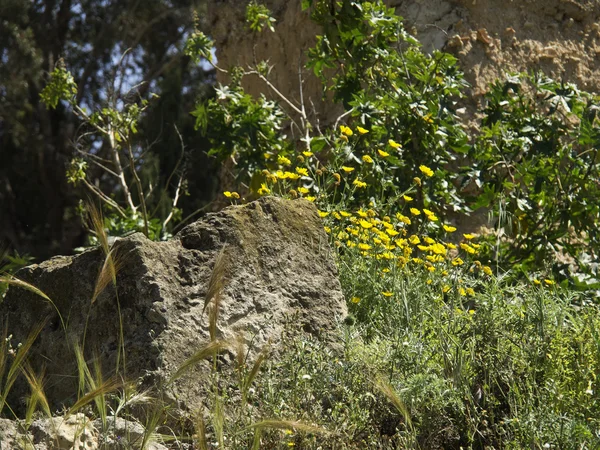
[310, 198]
[394, 144]
[415, 211]
[291, 175]
[457, 262]
[283, 160]
[362, 213]
[403, 218]
[414, 239]
[549, 282]
[303, 190]
[451, 246]
[359, 184]
[407, 198]
[364, 246]
[302, 171]
[307, 154]
[400, 242]
[367, 159]
[446, 288]
[438, 249]
[355, 300]
[345, 213]
[323, 213]
[361, 130]
[537, 282]
[467, 248]
[487, 270]
[428, 240]
[449, 229]
[426, 171]
[264, 190]
[383, 154]
[347, 169]
[365, 224]
[469, 236]
[387, 293]
[462, 291]
[417, 181]
[470, 292]
[346, 130]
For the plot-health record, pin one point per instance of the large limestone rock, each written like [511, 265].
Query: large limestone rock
[278, 272]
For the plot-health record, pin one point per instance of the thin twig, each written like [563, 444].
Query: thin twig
[175, 200]
[103, 167]
[337, 121]
[109, 201]
[140, 190]
[271, 86]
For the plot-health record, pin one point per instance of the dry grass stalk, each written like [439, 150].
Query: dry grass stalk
[38, 396]
[200, 436]
[388, 391]
[217, 277]
[113, 263]
[18, 362]
[206, 351]
[11, 280]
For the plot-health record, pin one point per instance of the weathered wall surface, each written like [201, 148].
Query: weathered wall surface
[490, 38]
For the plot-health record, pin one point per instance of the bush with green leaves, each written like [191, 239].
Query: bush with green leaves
[470, 360]
[108, 162]
[533, 164]
[537, 154]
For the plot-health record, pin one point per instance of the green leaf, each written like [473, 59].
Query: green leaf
[61, 87]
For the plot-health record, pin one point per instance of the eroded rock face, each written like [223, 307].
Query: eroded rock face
[278, 269]
[491, 39]
[76, 432]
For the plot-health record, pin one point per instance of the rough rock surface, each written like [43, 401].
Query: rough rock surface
[491, 38]
[75, 432]
[278, 270]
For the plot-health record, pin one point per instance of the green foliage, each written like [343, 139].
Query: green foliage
[61, 87]
[9, 264]
[37, 142]
[467, 360]
[199, 46]
[534, 164]
[115, 125]
[242, 128]
[538, 151]
[258, 17]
